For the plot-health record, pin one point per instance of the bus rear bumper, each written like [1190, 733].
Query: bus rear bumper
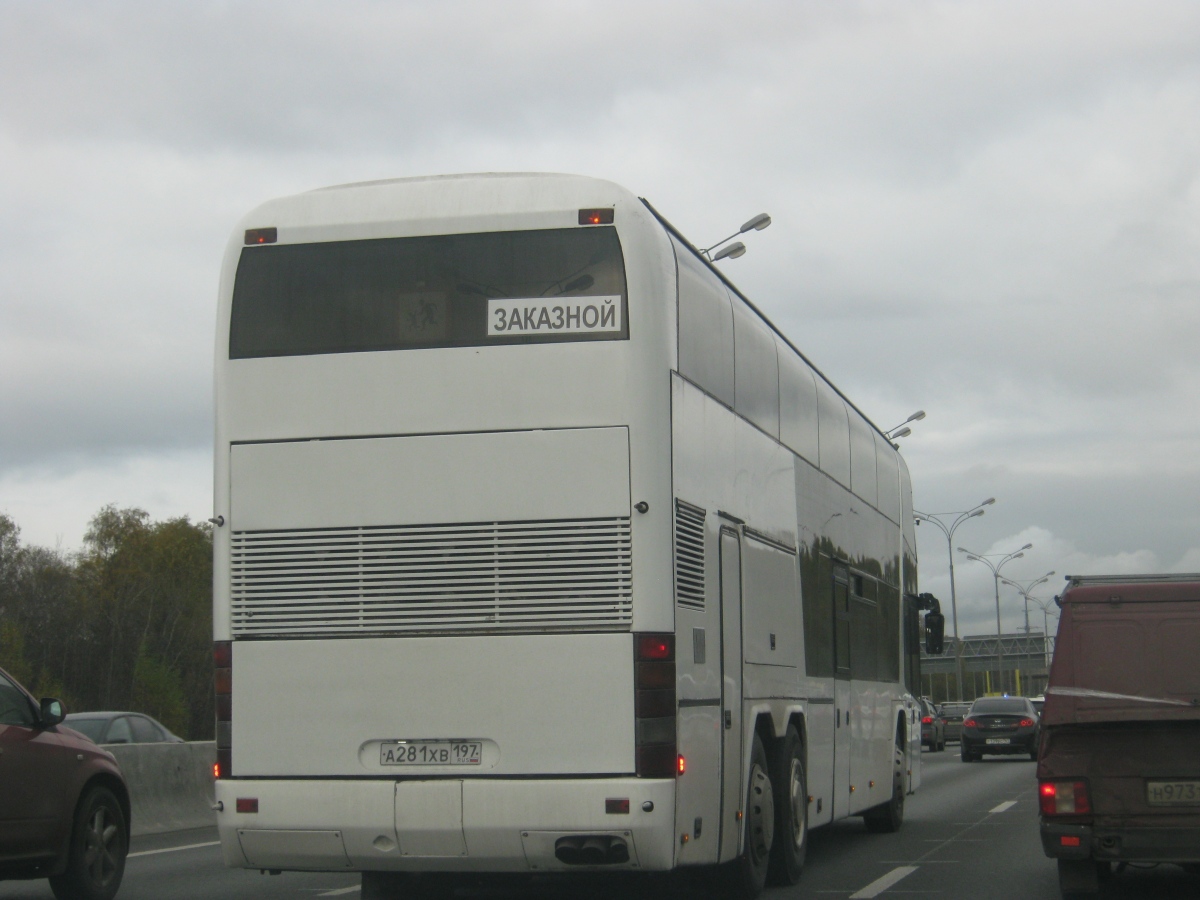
[448, 825]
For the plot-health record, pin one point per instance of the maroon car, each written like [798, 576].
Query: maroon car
[64, 813]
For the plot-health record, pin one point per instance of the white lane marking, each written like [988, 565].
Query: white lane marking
[1007, 804]
[879, 885]
[172, 849]
[340, 891]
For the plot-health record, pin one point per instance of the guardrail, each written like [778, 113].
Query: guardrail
[170, 785]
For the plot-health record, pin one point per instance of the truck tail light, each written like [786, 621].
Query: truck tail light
[223, 688]
[1064, 798]
[654, 706]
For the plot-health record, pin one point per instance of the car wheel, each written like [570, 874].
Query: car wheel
[965, 752]
[747, 875]
[790, 843]
[96, 855]
[888, 817]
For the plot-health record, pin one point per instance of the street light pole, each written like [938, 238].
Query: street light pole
[995, 567]
[1045, 607]
[948, 530]
[1024, 592]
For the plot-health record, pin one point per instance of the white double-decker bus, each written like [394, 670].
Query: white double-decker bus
[540, 549]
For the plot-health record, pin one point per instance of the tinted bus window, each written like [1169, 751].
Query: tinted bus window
[834, 434]
[756, 372]
[442, 291]
[797, 404]
[705, 327]
[863, 475]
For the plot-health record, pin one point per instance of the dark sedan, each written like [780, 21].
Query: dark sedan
[933, 726]
[64, 807]
[953, 714]
[1003, 725]
[121, 728]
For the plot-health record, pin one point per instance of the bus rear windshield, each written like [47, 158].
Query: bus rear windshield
[452, 290]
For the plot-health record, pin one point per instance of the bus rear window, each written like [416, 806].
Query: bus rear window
[442, 291]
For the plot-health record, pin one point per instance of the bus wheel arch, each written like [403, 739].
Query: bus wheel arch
[887, 817]
[746, 876]
[789, 776]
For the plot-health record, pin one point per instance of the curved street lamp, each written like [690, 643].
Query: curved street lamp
[948, 530]
[1045, 605]
[1024, 592]
[899, 431]
[733, 251]
[995, 567]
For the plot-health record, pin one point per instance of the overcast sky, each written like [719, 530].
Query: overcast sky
[987, 210]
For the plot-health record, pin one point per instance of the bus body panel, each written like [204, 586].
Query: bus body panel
[430, 479]
[314, 708]
[375, 824]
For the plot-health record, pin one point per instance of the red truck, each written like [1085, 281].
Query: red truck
[1119, 761]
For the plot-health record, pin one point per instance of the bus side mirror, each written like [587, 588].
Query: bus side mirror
[935, 633]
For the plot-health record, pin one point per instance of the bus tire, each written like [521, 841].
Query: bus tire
[746, 876]
[888, 817]
[790, 844]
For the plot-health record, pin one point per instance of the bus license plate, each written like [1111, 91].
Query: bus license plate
[1173, 793]
[997, 741]
[431, 753]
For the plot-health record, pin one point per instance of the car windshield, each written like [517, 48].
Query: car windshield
[999, 705]
[91, 727]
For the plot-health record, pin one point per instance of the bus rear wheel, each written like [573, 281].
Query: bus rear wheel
[747, 875]
[888, 817]
[791, 811]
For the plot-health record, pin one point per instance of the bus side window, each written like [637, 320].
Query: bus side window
[797, 403]
[889, 478]
[863, 475]
[705, 327]
[756, 370]
[816, 589]
[841, 619]
[834, 436]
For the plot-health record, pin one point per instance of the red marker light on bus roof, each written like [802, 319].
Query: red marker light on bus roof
[596, 216]
[261, 235]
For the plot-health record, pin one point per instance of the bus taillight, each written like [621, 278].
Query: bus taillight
[654, 705]
[223, 688]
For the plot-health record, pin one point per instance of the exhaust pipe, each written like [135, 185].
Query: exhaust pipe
[591, 850]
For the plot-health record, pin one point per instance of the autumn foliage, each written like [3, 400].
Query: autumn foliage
[125, 623]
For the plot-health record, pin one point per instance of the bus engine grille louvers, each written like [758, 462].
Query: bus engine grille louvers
[689, 555]
[478, 577]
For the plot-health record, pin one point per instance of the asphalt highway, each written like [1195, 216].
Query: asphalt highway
[970, 832]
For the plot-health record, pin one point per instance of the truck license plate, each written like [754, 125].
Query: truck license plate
[1173, 793]
[430, 753]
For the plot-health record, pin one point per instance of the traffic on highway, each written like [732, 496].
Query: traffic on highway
[970, 832]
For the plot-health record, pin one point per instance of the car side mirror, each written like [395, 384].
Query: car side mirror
[52, 712]
[935, 633]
